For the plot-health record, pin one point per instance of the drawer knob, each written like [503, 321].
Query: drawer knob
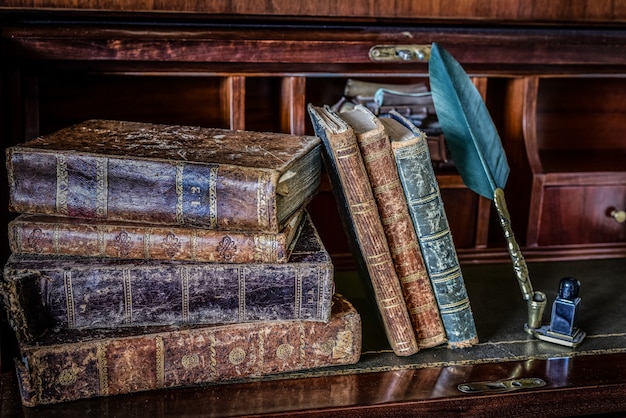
[618, 215]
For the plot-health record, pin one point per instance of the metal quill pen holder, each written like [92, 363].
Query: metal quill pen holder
[535, 299]
[481, 161]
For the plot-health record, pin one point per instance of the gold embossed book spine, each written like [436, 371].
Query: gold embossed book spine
[165, 174]
[55, 235]
[71, 365]
[44, 293]
[360, 216]
[392, 207]
[433, 231]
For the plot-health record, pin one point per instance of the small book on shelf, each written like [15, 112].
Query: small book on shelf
[47, 293]
[165, 174]
[359, 212]
[433, 231]
[73, 364]
[57, 235]
[392, 207]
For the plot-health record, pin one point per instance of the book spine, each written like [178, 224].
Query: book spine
[62, 236]
[402, 239]
[431, 224]
[191, 356]
[357, 206]
[85, 295]
[212, 196]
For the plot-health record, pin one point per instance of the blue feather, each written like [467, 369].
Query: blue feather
[467, 126]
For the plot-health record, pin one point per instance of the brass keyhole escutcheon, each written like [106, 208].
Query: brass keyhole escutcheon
[618, 215]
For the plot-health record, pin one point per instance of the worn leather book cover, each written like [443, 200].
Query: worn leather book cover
[166, 174]
[431, 225]
[45, 234]
[357, 207]
[46, 293]
[394, 214]
[71, 365]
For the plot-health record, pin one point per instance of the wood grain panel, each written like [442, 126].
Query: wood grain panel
[528, 11]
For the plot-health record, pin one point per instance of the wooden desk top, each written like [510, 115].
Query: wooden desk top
[574, 386]
[590, 379]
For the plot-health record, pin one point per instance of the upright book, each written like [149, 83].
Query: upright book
[431, 224]
[45, 234]
[72, 365]
[177, 175]
[392, 207]
[357, 206]
[46, 293]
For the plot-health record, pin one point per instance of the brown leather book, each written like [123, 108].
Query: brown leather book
[45, 293]
[71, 365]
[44, 234]
[401, 236]
[165, 174]
[351, 187]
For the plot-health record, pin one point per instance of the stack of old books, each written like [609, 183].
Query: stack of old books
[150, 256]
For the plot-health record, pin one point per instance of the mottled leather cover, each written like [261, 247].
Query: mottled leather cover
[45, 293]
[431, 224]
[356, 204]
[44, 234]
[166, 174]
[401, 237]
[73, 365]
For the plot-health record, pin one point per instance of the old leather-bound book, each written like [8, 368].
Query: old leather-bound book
[433, 231]
[193, 176]
[70, 365]
[46, 293]
[45, 234]
[401, 237]
[357, 207]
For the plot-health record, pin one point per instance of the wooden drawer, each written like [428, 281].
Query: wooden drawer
[581, 215]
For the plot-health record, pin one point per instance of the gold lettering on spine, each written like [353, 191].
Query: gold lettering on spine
[103, 371]
[212, 192]
[320, 280]
[101, 241]
[180, 218]
[128, 296]
[261, 356]
[241, 275]
[69, 298]
[147, 238]
[62, 185]
[194, 245]
[184, 284]
[213, 354]
[160, 362]
[263, 181]
[302, 342]
[55, 239]
[264, 248]
[102, 185]
[298, 289]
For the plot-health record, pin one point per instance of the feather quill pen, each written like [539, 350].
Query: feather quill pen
[478, 154]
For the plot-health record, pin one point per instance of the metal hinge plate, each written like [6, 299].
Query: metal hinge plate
[400, 53]
[501, 385]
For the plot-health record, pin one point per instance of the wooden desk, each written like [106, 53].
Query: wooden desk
[590, 379]
[238, 65]
[585, 385]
